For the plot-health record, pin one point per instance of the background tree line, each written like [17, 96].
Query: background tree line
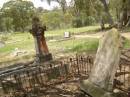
[15, 15]
[113, 12]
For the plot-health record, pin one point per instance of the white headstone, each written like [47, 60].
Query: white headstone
[66, 34]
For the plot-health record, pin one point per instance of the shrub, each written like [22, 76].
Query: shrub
[88, 20]
[77, 22]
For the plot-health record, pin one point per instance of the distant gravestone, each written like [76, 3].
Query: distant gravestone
[66, 34]
[101, 79]
[2, 44]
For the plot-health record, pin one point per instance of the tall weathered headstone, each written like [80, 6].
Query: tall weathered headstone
[100, 81]
[42, 52]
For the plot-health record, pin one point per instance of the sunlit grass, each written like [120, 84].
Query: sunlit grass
[76, 45]
[89, 29]
[127, 44]
[24, 41]
[19, 40]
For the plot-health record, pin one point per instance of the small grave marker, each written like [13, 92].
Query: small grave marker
[66, 34]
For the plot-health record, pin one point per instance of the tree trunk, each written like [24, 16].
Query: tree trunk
[123, 15]
[63, 5]
[106, 9]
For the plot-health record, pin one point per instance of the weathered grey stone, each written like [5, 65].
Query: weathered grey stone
[105, 66]
[2, 44]
[94, 90]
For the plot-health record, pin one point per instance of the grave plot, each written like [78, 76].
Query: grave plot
[105, 75]
[56, 79]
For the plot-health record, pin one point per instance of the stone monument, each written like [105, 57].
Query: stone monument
[42, 52]
[100, 81]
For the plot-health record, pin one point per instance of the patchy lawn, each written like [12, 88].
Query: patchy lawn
[24, 41]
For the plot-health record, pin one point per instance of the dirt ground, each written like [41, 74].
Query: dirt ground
[99, 35]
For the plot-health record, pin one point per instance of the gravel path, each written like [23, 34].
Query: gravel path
[98, 35]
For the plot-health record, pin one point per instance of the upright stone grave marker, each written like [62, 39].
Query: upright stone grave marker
[42, 52]
[100, 82]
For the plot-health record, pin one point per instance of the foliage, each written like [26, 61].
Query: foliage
[16, 15]
[84, 21]
[84, 12]
[108, 11]
[55, 19]
[77, 22]
[62, 3]
[88, 21]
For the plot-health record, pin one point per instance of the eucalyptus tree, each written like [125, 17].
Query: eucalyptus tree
[109, 9]
[20, 12]
[106, 9]
[125, 13]
[89, 8]
[62, 3]
[121, 10]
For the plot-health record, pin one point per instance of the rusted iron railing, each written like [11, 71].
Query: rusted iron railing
[37, 79]
[123, 77]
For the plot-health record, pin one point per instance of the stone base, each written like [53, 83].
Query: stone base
[94, 90]
[44, 58]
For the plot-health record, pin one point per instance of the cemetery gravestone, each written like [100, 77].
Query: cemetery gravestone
[100, 81]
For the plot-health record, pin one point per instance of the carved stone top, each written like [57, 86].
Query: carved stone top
[42, 52]
[37, 28]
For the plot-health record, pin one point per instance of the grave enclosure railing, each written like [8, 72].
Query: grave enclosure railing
[37, 79]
